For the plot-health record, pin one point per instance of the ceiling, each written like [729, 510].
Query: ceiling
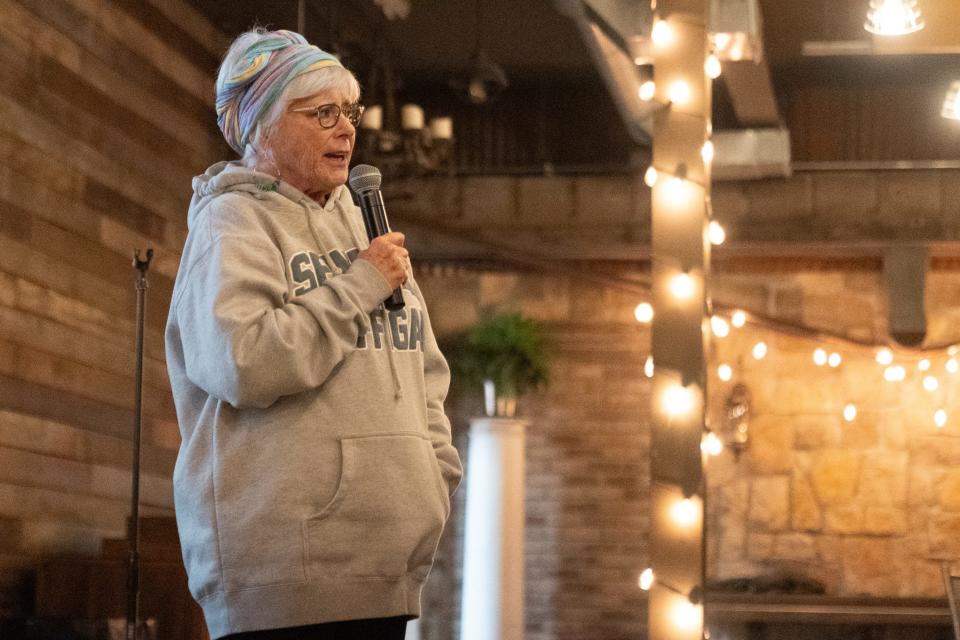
[837, 107]
[437, 38]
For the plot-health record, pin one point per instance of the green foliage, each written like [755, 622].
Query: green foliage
[510, 350]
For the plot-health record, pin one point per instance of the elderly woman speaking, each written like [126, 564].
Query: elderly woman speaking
[316, 466]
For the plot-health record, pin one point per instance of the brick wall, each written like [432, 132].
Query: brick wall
[587, 450]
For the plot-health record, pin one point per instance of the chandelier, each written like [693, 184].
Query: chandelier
[398, 141]
[894, 17]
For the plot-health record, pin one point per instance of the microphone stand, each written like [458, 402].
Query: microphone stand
[133, 572]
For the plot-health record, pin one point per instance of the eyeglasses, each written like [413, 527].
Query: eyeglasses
[329, 114]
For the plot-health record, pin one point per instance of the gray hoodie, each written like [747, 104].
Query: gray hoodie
[316, 463]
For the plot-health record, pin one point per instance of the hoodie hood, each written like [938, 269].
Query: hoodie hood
[224, 177]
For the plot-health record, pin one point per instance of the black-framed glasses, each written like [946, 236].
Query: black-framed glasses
[329, 114]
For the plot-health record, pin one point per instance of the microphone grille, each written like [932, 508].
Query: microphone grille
[364, 177]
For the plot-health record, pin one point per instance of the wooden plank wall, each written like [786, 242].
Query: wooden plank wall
[106, 112]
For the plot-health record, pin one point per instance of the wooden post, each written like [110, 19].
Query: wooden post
[680, 268]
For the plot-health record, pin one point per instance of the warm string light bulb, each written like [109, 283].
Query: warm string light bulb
[835, 360]
[686, 616]
[884, 357]
[930, 383]
[819, 357]
[711, 444]
[662, 33]
[952, 366]
[738, 319]
[678, 401]
[760, 350]
[706, 152]
[648, 367]
[647, 90]
[682, 286]
[850, 412]
[721, 328]
[713, 67]
[646, 579]
[644, 312]
[725, 372]
[894, 373]
[923, 365]
[940, 418]
[674, 189]
[650, 177]
[684, 512]
[716, 233]
[679, 92]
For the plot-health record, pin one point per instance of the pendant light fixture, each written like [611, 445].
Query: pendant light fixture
[894, 17]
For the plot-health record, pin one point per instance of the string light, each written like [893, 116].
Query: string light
[850, 412]
[677, 401]
[647, 90]
[674, 189]
[662, 34]
[739, 319]
[819, 357]
[940, 418]
[716, 233]
[894, 373]
[952, 366]
[711, 444]
[644, 312]
[646, 579]
[720, 327]
[706, 152]
[884, 357]
[835, 360]
[760, 350]
[686, 615]
[679, 92]
[682, 286]
[684, 512]
[650, 177]
[923, 365]
[930, 383]
[725, 372]
[712, 66]
[648, 367]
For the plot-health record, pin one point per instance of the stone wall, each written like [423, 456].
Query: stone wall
[869, 505]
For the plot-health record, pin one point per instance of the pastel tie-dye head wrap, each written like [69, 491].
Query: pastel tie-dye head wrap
[247, 91]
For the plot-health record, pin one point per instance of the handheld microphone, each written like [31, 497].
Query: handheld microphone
[365, 181]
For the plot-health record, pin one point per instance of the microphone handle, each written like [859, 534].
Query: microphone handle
[375, 220]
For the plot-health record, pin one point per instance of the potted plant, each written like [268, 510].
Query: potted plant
[508, 354]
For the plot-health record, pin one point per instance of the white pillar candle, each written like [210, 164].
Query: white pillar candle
[372, 118]
[441, 128]
[411, 117]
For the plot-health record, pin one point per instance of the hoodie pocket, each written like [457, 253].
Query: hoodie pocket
[387, 514]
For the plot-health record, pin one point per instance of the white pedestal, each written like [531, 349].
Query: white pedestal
[492, 607]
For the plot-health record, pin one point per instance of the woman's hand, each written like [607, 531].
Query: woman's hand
[387, 254]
